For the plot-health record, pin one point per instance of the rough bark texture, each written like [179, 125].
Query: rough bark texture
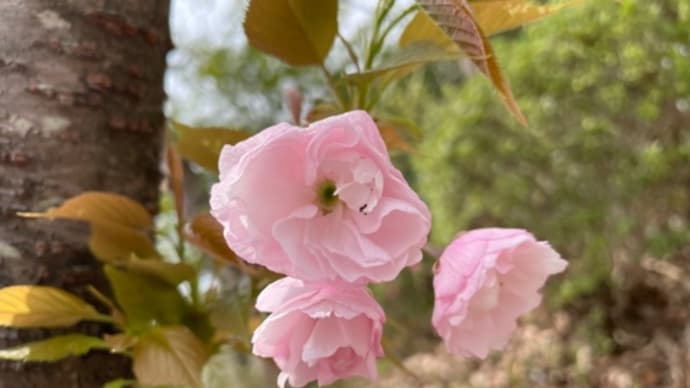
[80, 109]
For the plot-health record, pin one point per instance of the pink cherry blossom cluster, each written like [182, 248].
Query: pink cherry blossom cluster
[325, 206]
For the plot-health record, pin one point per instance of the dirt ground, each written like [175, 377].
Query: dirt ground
[634, 333]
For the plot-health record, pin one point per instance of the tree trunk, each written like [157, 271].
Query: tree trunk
[80, 109]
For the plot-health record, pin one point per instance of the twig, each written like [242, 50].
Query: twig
[400, 365]
[350, 51]
[331, 85]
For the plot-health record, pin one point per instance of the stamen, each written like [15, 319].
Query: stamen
[326, 196]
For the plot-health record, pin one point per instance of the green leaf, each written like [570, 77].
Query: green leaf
[456, 18]
[203, 145]
[40, 306]
[119, 225]
[495, 16]
[402, 62]
[145, 300]
[54, 348]
[119, 342]
[298, 32]
[111, 242]
[169, 356]
[231, 313]
[423, 28]
[171, 273]
[120, 383]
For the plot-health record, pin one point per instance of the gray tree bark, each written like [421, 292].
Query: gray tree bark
[80, 109]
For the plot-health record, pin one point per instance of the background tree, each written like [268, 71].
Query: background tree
[80, 109]
[602, 172]
[606, 155]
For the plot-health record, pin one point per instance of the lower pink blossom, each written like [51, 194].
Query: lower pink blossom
[484, 281]
[321, 332]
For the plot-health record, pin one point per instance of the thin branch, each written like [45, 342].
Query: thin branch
[400, 365]
[331, 84]
[350, 51]
[397, 20]
[377, 40]
[382, 9]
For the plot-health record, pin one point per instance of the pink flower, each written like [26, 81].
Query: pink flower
[319, 332]
[320, 203]
[484, 281]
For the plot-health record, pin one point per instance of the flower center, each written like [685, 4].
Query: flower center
[355, 182]
[343, 360]
[487, 297]
[326, 196]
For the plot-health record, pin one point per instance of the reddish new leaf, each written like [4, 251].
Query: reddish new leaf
[207, 234]
[457, 19]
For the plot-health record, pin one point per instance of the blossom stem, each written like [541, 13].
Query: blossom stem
[350, 51]
[331, 84]
[397, 362]
[397, 20]
[382, 9]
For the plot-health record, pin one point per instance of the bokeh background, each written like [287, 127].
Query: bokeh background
[602, 172]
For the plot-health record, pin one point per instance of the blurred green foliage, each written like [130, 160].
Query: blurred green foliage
[254, 80]
[603, 171]
[235, 87]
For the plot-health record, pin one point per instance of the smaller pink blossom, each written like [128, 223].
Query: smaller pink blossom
[484, 281]
[322, 332]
